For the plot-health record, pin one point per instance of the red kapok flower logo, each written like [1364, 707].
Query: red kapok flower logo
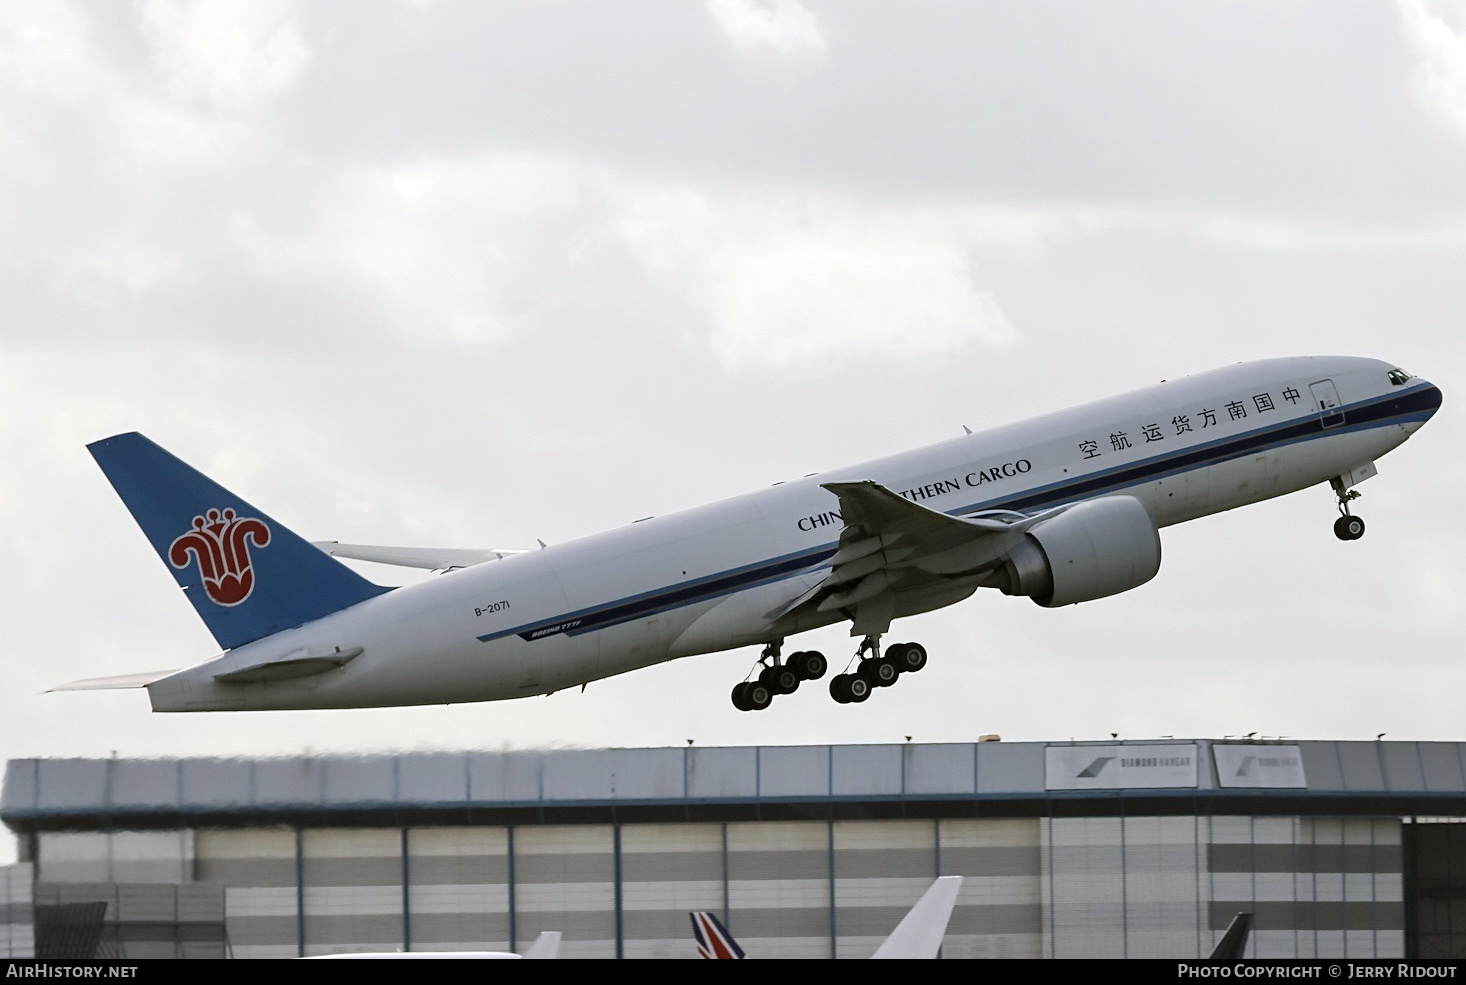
[220, 542]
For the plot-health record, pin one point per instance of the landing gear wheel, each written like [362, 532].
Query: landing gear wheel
[810, 664]
[757, 695]
[740, 701]
[849, 688]
[779, 680]
[880, 672]
[1348, 527]
[908, 657]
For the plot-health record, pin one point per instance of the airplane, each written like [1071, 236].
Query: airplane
[918, 935]
[1062, 508]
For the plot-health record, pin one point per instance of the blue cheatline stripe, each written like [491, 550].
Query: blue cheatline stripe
[1416, 404]
[657, 600]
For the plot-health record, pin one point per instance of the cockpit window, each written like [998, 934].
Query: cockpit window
[1399, 377]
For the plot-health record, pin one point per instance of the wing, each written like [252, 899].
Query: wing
[435, 558]
[897, 557]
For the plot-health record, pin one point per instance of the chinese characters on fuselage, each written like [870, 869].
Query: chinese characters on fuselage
[1236, 410]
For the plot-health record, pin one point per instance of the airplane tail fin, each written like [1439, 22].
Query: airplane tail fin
[247, 575]
[713, 939]
[547, 945]
[920, 932]
[1234, 942]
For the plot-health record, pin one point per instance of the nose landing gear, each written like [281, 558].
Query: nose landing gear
[1347, 526]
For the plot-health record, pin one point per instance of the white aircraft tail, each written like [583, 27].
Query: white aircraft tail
[547, 945]
[918, 935]
[920, 932]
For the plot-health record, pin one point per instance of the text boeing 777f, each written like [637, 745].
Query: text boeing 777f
[1062, 508]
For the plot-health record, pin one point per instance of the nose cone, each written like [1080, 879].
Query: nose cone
[1431, 400]
[1421, 403]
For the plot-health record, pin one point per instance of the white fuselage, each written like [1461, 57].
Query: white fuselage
[707, 579]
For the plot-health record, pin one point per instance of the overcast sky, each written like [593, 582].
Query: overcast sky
[467, 274]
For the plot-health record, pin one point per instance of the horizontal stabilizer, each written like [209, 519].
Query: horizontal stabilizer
[296, 663]
[433, 558]
[114, 683]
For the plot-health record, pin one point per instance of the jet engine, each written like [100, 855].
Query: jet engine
[1092, 550]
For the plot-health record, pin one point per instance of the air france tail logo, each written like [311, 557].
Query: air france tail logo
[220, 541]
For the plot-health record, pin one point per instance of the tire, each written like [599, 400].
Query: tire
[810, 665]
[758, 696]
[840, 688]
[859, 689]
[740, 699]
[1349, 527]
[880, 672]
[786, 680]
[909, 657]
[779, 680]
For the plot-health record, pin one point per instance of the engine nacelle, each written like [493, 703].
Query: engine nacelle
[1090, 551]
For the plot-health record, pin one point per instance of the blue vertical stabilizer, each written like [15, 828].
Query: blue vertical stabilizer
[247, 575]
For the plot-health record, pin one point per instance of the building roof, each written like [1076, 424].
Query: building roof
[948, 779]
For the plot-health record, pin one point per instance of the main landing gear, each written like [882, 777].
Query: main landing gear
[875, 670]
[1347, 526]
[778, 678]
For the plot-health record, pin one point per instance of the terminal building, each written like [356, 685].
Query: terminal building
[1118, 849]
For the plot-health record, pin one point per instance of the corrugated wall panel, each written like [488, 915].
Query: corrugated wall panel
[73, 856]
[564, 880]
[352, 889]
[881, 870]
[1162, 887]
[17, 911]
[779, 888]
[261, 901]
[458, 894]
[668, 870]
[1084, 887]
[999, 911]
